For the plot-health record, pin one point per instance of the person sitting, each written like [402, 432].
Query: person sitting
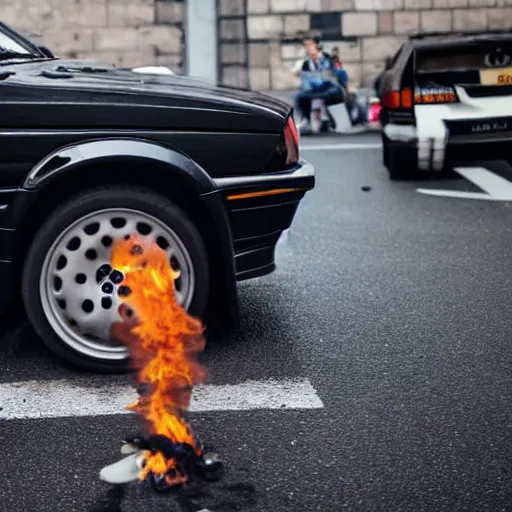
[319, 81]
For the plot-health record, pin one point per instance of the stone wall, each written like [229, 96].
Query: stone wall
[125, 32]
[258, 37]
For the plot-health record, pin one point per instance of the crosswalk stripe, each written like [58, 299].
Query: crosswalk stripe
[61, 398]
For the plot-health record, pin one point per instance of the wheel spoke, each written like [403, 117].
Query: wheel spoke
[81, 298]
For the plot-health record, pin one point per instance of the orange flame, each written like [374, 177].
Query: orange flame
[163, 340]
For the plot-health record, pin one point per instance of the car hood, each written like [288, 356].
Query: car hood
[191, 103]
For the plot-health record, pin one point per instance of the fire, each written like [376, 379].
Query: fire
[163, 340]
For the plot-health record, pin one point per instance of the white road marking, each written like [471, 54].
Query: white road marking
[60, 398]
[496, 188]
[335, 147]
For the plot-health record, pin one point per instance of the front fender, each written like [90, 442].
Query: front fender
[73, 157]
[69, 158]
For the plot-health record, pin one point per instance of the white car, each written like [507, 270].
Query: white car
[446, 99]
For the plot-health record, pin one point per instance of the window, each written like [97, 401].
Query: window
[9, 44]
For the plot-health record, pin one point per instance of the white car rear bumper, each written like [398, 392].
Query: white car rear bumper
[484, 120]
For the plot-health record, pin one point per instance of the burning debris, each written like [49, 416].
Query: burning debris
[163, 341]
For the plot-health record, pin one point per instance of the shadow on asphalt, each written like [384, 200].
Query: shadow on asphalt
[259, 337]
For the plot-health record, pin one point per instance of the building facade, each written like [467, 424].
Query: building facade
[253, 42]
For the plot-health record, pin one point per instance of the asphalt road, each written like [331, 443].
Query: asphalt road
[394, 305]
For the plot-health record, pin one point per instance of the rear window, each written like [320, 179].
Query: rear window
[472, 56]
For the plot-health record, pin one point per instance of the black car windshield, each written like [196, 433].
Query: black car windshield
[12, 50]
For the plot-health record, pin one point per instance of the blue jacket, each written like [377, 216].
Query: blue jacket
[311, 80]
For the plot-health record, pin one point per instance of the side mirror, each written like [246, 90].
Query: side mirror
[46, 52]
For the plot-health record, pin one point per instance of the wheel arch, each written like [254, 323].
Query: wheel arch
[206, 210]
[108, 152]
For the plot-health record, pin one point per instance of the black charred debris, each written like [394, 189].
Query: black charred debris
[206, 466]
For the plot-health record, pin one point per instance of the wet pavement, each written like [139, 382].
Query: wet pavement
[395, 307]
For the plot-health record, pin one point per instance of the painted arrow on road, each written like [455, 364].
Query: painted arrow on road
[496, 188]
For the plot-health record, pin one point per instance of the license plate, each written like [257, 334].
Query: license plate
[498, 76]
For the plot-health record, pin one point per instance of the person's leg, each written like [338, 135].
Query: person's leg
[303, 108]
[331, 96]
[303, 105]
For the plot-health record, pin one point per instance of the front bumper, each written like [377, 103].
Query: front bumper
[12, 202]
[260, 208]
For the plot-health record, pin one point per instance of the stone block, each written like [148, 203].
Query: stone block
[130, 13]
[11, 16]
[292, 51]
[259, 55]
[170, 12]
[37, 16]
[116, 39]
[235, 76]
[259, 79]
[354, 72]
[406, 22]
[439, 20]
[137, 59]
[232, 7]
[378, 5]
[233, 53]
[103, 57]
[232, 29]
[274, 54]
[499, 19]
[282, 79]
[173, 62]
[482, 3]
[417, 4]
[295, 23]
[163, 38]
[469, 19]
[122, 59]
[336, 5]
[359, 24]
[385, 22]
[258, 6]
[348, 51]
[65, 43]
[503, 3]
[80, 13]
[447, 4]
[265, 27]
[295, 6]
[379, 48]
[370, 71]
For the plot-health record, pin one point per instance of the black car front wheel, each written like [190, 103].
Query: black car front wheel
[69, 289]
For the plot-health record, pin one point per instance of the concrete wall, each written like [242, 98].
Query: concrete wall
[257, 46]
[124, 32]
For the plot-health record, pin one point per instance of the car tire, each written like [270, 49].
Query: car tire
[75, 220]
[385, 151]
[402, 163]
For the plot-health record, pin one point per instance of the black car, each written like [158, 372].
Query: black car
[90, 153]
[446, 100]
